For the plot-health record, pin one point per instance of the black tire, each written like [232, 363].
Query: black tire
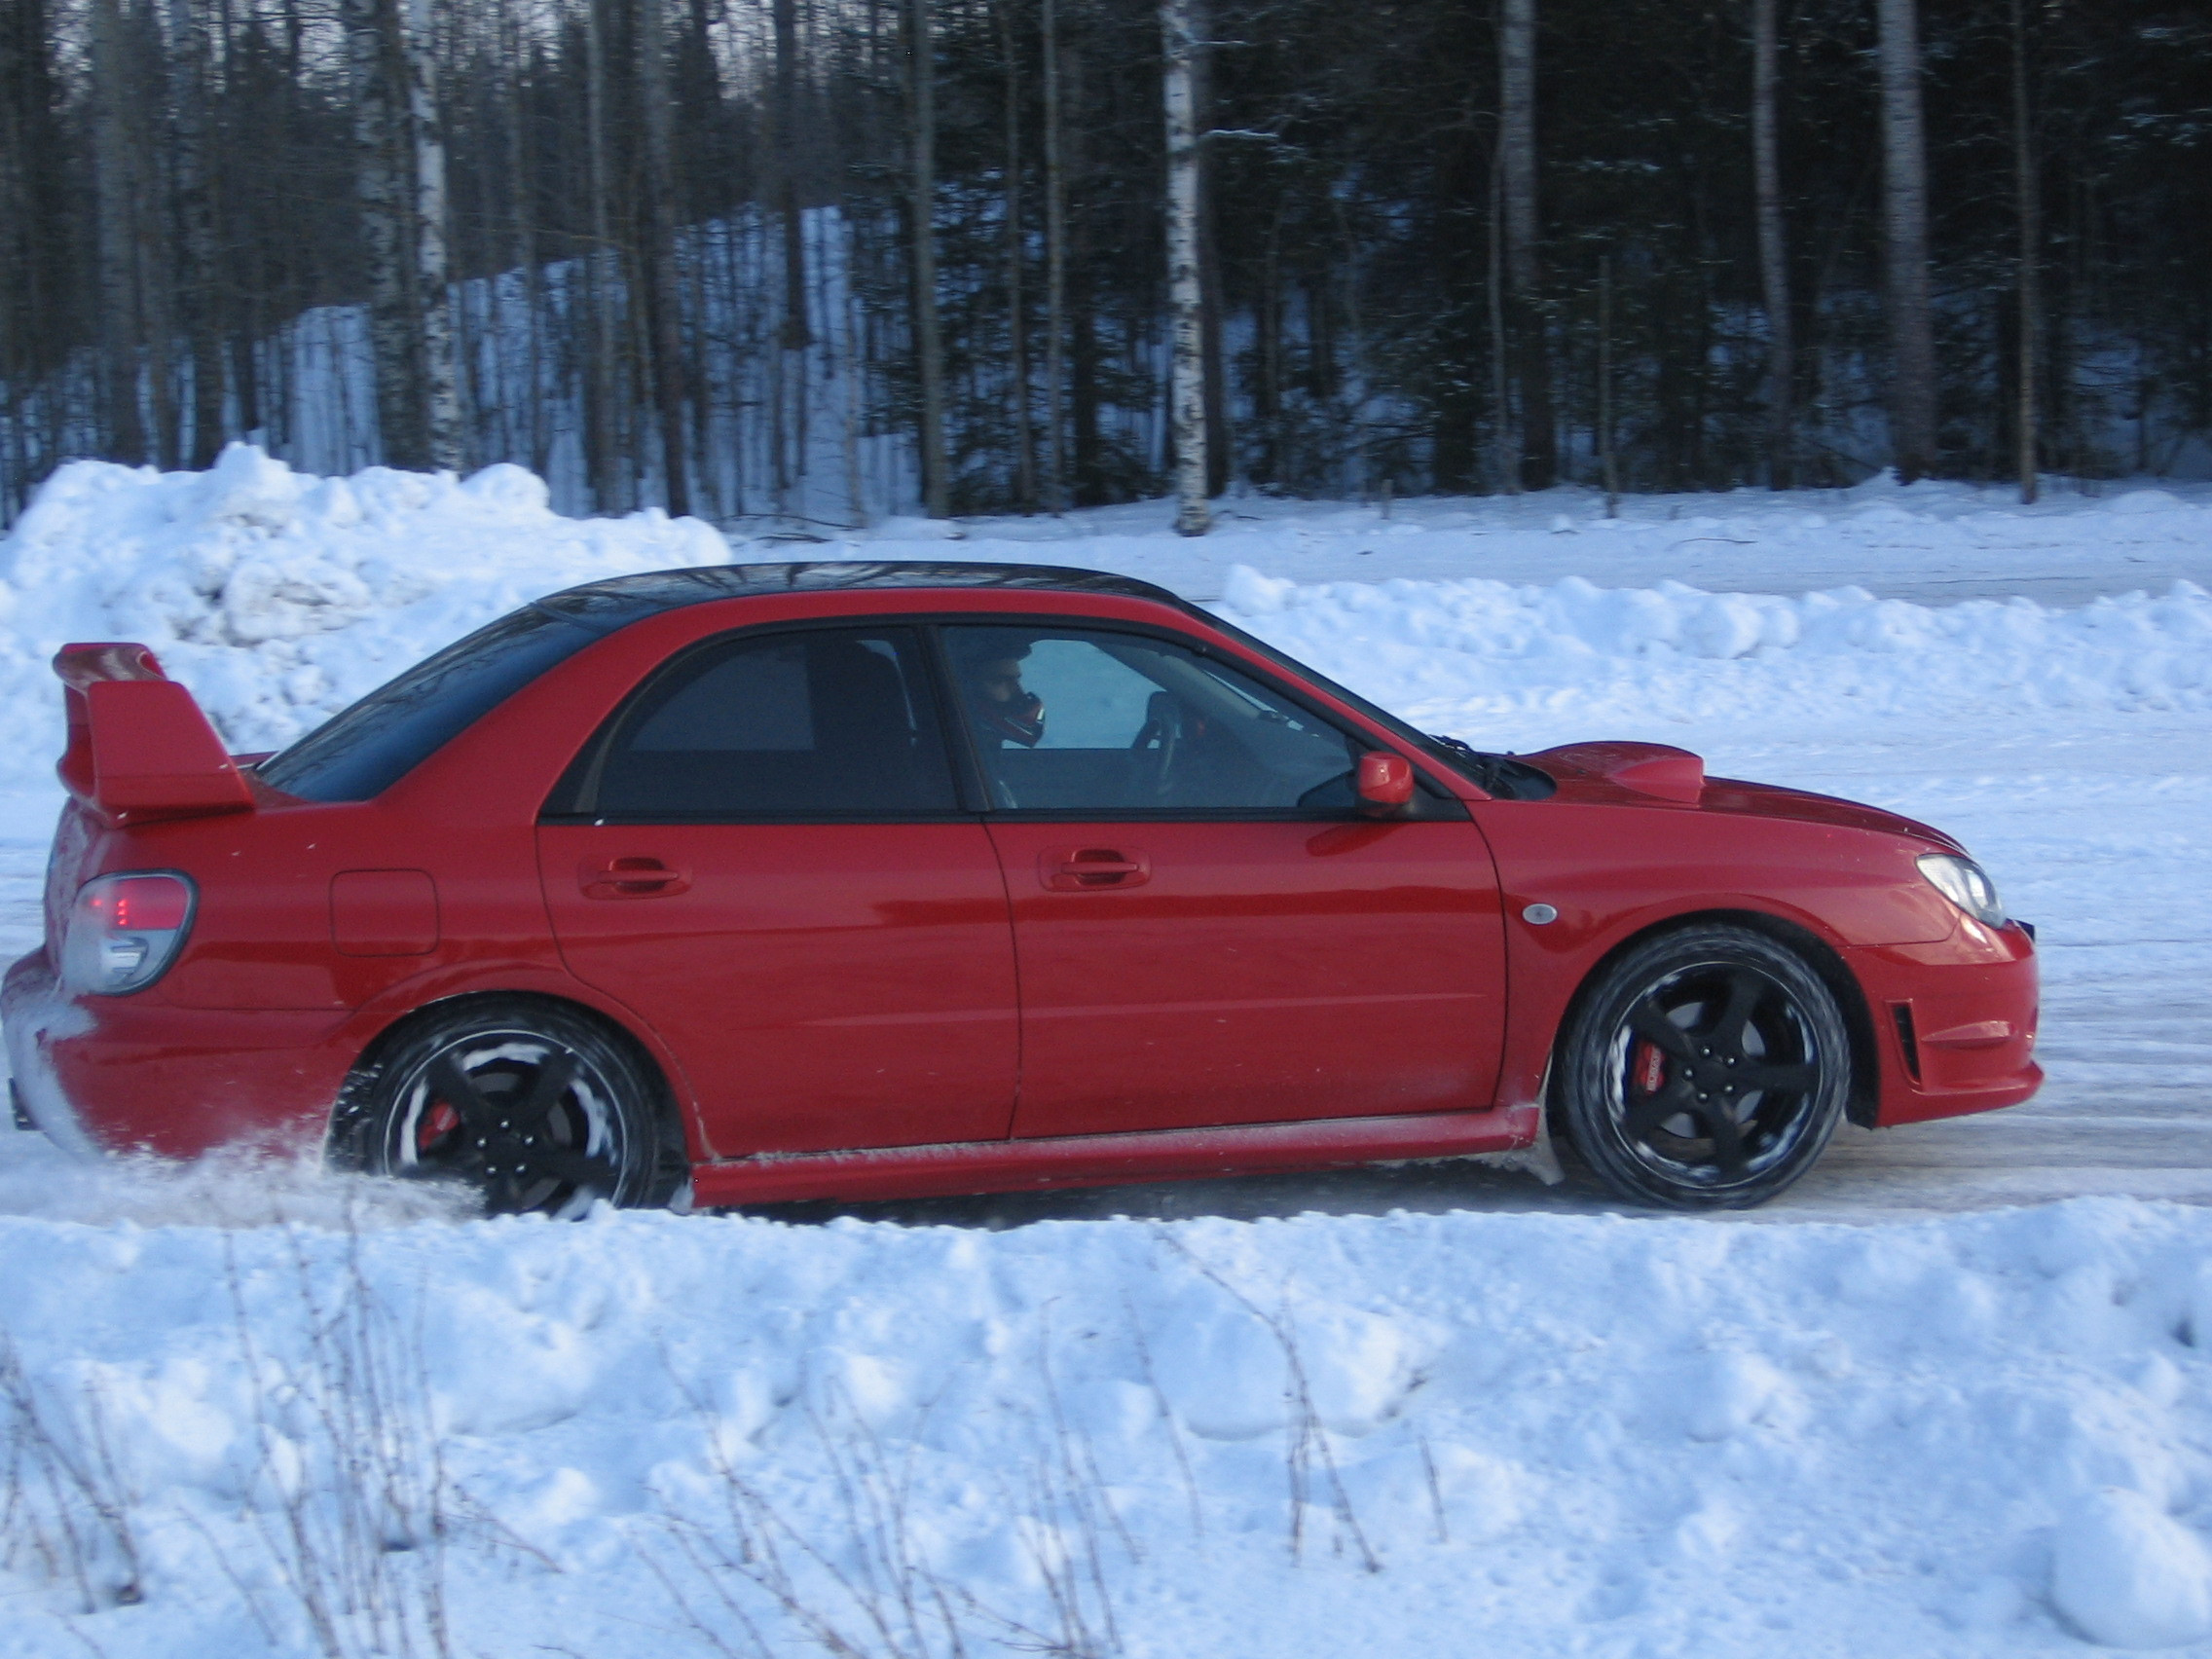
[1705, 1069]
[534, 1106]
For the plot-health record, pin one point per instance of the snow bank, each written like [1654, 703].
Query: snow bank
[1511, 1434]
[1479, 649]
[281, 597]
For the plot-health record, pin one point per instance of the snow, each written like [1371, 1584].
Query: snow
[1952, 1396]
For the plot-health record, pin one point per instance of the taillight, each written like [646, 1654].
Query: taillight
[124, 930]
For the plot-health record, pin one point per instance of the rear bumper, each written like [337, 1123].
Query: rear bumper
[115, 1074]
[1954, 1022]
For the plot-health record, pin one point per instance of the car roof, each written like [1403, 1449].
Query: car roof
[618, 601]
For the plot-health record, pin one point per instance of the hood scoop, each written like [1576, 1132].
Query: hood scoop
[1652, 769]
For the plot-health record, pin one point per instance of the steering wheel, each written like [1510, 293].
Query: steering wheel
[1162, 731]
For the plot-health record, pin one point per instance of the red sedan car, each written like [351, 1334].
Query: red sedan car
[862, 881]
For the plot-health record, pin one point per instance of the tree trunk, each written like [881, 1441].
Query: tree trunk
[193, 161]
[662, 295]
[115, 97]
[1016, 253]
[602, 424]
[399, 170]
[1055, 272]
[1186, 301]
[2028, 188]
[1517, 153]
[1904, 191]
[426, 150]
[928, 339]
[796, 335]
[1506, 431]
[1774, 265]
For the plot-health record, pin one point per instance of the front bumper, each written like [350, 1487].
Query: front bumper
[115, 1074]
[1954, 1021]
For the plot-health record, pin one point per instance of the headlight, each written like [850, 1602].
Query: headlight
[1963, 882]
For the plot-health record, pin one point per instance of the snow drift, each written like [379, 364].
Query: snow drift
[1460, 1433]
[279, 598]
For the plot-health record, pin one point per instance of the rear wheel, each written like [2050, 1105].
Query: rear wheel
[1705, 1069]
[532, 1106]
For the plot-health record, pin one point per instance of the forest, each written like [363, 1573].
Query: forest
[828, 260]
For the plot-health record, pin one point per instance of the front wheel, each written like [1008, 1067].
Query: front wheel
[1705, 1069]
[534, 1107]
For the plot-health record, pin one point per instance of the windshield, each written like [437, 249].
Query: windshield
[364, 750]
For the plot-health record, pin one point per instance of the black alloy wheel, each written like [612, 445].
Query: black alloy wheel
[532, 1106]
[1705, 1069]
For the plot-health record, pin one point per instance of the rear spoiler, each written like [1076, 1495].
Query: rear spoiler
[140, 749]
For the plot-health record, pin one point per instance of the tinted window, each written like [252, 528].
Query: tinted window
[834, 723]
[1075, 721]
[366, 748]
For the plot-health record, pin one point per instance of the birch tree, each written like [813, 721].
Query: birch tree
[400, 168]
[1186, 297]
[1904, 217]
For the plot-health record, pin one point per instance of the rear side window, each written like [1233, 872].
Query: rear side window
[366, 748]
[824, 722]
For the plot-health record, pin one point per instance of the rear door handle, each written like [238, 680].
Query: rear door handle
[1083, 870]
[632, 877]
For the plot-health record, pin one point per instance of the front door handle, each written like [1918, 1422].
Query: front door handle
[1083, 870]
[632, 878]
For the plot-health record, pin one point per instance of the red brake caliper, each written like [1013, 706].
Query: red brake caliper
[439, 1122]
[1647, 1068]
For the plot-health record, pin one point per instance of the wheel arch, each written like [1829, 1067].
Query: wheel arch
[1819, 955]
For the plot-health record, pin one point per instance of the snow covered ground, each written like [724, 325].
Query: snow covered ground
[247, 1411]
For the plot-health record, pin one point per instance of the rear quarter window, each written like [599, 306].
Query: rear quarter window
[364, 750]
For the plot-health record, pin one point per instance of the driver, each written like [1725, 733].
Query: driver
[1004, 710]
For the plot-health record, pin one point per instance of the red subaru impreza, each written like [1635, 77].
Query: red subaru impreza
[861, 880]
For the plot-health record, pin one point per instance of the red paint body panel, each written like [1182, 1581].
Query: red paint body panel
[1098, 1160]
[1260, 972]
[827, 984]
[991, 1001]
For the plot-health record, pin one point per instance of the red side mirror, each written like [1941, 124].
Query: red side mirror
[1385, 783]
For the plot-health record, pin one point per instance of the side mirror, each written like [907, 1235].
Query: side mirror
[1385, 783]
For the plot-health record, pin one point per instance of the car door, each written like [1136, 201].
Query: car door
[1207, 931]
[763, 856]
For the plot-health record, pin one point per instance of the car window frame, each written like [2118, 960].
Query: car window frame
[930, 691]
[1432, 800]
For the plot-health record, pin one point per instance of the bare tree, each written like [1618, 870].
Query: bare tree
[1774, 259]
[2028, 190]
[1186, 298]
[663, 297]
[1055, 270]
[1524, 269]
[118, 101]
[1904, 215]
[929, 334]
[401, 177]
[1016, 255]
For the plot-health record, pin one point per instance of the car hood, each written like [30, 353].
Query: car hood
[1613, 771]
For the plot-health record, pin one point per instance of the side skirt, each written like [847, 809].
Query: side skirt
[1098, 1160]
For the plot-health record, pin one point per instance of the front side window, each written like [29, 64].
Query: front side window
[1094, 720]
[831, 722]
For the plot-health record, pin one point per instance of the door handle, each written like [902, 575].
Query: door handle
[1083, 870]
[632, 878]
